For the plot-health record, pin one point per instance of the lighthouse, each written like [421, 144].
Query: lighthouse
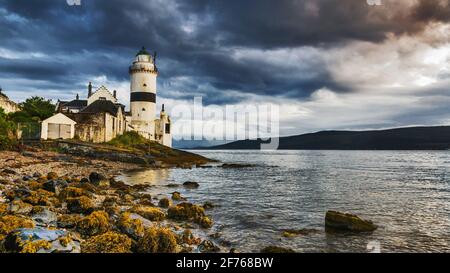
[143, 73]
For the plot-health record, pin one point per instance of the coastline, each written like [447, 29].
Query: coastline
[72, 198]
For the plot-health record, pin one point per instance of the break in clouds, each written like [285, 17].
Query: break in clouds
[328, 64]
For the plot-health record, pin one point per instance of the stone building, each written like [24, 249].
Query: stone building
[6, 104]
[101, 117]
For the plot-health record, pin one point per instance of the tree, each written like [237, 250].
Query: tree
[37, 108]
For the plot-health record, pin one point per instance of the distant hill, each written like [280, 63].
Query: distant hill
[414, 138]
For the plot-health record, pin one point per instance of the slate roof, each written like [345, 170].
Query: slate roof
[102, 106]
[75, 103]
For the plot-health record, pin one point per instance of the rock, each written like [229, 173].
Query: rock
[164, 202]
[132, 227]
[19, 207]
[191, 184]
[188, 238]
[185, 211]
[9, 171]
[27, 178]
[347, 222]
[37, 175]
[41, 197]
[208, 246]
[68, 220]
[150, 213]
[41, 240]
[9, 223]
[110, 242]
[44, 217]
[276, 249]
[205, 222]
[52, 176]
[234, 251]
[55, 186]
[81, 204]
[158, 240]
[208, 205]
[97, 179]
[288, 233]
[172, 185]
[235, 166]
[94, 224]
[176, 196]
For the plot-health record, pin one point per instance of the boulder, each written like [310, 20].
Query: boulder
[288, 233]
[208, 246]
[130, 226]
[158, 240]
[97, 178]
[41, 240]
[44, 217]
[52, 175]
[164, 202]
[55, 186]
[276, 249]
[347, 222]
[19, 207]
[81, 204]
[110, 242]
[191, 185]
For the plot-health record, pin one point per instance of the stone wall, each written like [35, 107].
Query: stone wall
[89, 127]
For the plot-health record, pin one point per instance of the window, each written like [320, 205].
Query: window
[143, 109]
[167, 128]
[145, 85]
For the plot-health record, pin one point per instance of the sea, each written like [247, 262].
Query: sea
[405, 193]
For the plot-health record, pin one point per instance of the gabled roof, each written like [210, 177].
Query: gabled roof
[75, 103]
[102, 106]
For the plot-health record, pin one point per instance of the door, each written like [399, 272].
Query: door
[57, 131]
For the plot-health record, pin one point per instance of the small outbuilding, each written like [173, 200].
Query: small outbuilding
[58, 126]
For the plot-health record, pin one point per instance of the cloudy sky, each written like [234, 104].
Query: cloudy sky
[327, 64]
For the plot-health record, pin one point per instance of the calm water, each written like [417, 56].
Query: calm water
[406, 193]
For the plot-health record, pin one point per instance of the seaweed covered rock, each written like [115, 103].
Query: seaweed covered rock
[52, 175]
[158, 240]
[41, 240]
[68, 220]
[164, 202]
[3, 209]
[188, 238]
[81, 204]
[8, 223]
[186, 211]
[150, 213]
[208, 246]
[110, 242]
[176, 196]
[288, 233]
[130, 226]
[98, 179]
[190, 212]
[336, 221]
[72, 192]
[41, 197]
[55, 186]
[276, 249]
[94, 224]
[19, 207]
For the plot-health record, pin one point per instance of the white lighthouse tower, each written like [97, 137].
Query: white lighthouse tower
[143, 73]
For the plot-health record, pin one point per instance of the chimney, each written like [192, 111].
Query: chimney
[163, 108]
[78, 97]
[89, 89]
[115, 94]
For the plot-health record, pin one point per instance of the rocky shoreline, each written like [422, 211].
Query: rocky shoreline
[59, 202]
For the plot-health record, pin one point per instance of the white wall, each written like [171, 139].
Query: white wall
[57, 119]
[101, 92]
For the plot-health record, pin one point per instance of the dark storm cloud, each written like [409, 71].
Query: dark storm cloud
[195, 39]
